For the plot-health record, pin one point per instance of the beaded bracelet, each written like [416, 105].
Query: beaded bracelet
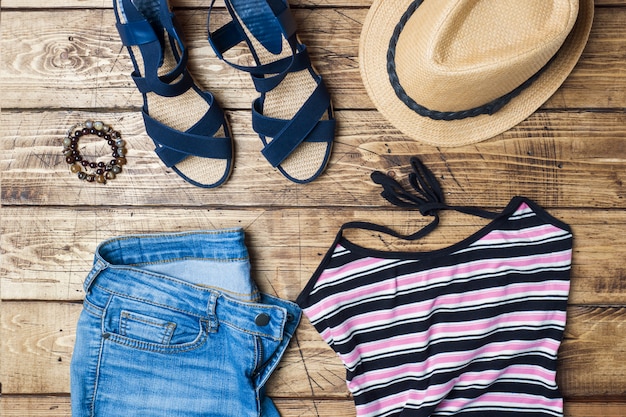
[100, 171]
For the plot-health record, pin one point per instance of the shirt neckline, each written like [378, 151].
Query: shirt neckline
[513, 205]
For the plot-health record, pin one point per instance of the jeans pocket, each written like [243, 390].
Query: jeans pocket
[147, 326]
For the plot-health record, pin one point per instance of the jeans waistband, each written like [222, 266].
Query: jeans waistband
[200, 273]
[215, 259]
[268, 317]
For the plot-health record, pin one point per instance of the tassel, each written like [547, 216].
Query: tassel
[429, 198]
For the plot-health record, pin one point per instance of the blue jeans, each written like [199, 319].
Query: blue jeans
[173, 325]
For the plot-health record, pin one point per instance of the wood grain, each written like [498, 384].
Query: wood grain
[59, 61]
[38, 337]
[47, 254]
[59, 406]
[62, 63]
[573, 159]
[84, 4]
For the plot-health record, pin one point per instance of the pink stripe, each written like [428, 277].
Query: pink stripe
[494, 349]
[517, 372]
[513, 400]
[447, 359]
[326, 335]
[425, 277]
[434, 393]
[523, 208]
[479, 297]
[483, 326]
[331, 274]
[513, 235]
[377, 407]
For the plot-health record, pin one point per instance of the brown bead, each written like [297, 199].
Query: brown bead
[94, 171]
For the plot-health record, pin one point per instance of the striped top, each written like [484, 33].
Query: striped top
[470, 330]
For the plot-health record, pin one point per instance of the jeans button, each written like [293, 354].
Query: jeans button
[262, 319]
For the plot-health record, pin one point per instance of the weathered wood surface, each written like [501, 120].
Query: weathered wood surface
[560, 159]
[38, 339]
[59, 60]
[47, 254]
[176, 4]
[90, 68]
[59, 406]
[62, 62]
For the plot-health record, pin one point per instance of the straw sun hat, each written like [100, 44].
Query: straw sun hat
[454, 72]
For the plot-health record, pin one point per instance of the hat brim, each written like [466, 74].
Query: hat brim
[378, 28]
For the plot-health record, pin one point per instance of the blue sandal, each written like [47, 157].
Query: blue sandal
[293, 115]
[186, 124]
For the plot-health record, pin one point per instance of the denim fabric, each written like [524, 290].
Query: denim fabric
[173, 325]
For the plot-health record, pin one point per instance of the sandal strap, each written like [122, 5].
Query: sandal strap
[306, 122]
[267, 20]
[139, 32]
[297, 62]
[173, 145]
[161, 87]
[270, 127]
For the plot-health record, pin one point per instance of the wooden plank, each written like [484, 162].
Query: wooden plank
[594, 409]
[581, 365]
[59, 406]
[54, 406]
[60, 60]
[39, 346]
[176, 4]
[38, 339]
[47, 252]
[570, 159]
[203, 4]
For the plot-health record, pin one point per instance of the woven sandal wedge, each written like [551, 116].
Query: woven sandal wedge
[186, 124]
[293, 115]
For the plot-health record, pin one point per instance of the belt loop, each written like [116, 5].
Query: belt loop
[98, 266]
[213, 320]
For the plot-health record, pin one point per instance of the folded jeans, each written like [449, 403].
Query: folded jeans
[173, 325]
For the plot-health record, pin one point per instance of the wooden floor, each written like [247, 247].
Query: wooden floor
[63, 63]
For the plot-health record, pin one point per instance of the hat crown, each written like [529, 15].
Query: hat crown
[456, 55]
